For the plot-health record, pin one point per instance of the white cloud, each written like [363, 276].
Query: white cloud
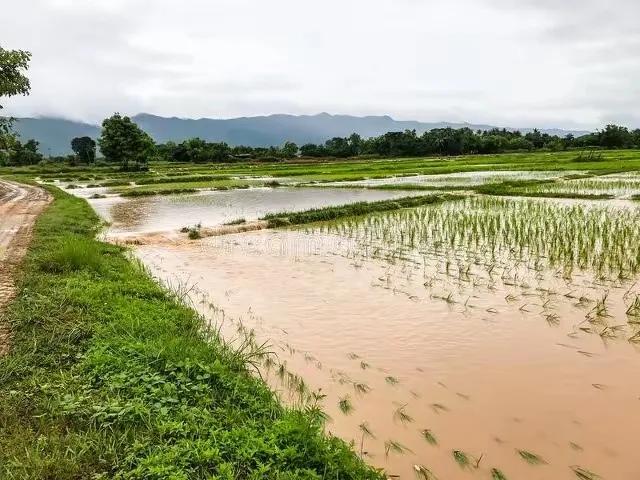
[531, 62]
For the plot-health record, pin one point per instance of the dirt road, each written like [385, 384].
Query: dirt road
[19, 207]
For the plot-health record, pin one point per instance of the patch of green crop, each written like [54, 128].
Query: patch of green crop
[352, 209]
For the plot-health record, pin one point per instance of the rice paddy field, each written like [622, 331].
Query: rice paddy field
[165, 176]
[491, 334]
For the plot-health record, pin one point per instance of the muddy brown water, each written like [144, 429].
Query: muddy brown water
[490, 376]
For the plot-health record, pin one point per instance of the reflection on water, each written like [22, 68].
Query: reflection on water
[172, 212]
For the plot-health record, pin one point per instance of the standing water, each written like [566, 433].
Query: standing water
[483, 338]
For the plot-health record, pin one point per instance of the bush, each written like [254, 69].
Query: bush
[194, 233]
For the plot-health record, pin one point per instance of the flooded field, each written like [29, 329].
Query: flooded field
[484, 337]
[172, 212]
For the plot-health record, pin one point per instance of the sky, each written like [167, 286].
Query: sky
[519, 63]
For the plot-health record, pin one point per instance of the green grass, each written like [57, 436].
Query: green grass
[534, 188]
[322, 170]
[153, 193]
[179, 187]
[111, 377]
[349, 210]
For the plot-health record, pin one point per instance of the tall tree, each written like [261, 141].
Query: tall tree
[123, 142]
[25, 153]
[13, 81]
[615, 136]
[289, 150]
[84, 148]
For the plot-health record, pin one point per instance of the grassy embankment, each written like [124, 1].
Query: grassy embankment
[110, 376]
[353, 209]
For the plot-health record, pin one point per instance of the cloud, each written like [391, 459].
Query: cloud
[532, 62]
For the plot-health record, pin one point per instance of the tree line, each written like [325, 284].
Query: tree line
[123, 142]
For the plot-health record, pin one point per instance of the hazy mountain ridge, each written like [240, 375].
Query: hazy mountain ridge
[55, 134]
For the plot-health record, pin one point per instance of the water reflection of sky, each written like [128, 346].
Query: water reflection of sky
[172, 212]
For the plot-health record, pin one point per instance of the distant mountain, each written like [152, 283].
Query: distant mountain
[55, 134]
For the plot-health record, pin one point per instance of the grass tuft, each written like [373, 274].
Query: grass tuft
[72, 253]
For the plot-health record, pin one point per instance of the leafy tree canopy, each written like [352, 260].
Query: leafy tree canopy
[13, 81]
[123, 142]
[84, 148]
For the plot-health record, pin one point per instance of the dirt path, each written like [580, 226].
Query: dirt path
[19, 207]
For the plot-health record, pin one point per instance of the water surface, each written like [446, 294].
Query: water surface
[471, 319]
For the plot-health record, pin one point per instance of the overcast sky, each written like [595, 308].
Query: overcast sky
[546, 63]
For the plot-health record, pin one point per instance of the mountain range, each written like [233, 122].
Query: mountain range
[55, 134]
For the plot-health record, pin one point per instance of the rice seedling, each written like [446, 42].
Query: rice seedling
[461, 458]
[391, 380]
[365, 431]
[634, 308]
[392, 446]
[438, 407]
[575, 447]
[496, 474]
[584, 474]
[423, 473]
[401, 415]
[361, 388]
[531, 458]
[552, 319]
[428, 435]
[601, 310]
[345, 405]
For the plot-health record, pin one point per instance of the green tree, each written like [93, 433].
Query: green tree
[13, 81]
[25, 153]
[289, 150]
[312, 150]
[614, 136]
[8, 144]
[123, 142]
[84, 148]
